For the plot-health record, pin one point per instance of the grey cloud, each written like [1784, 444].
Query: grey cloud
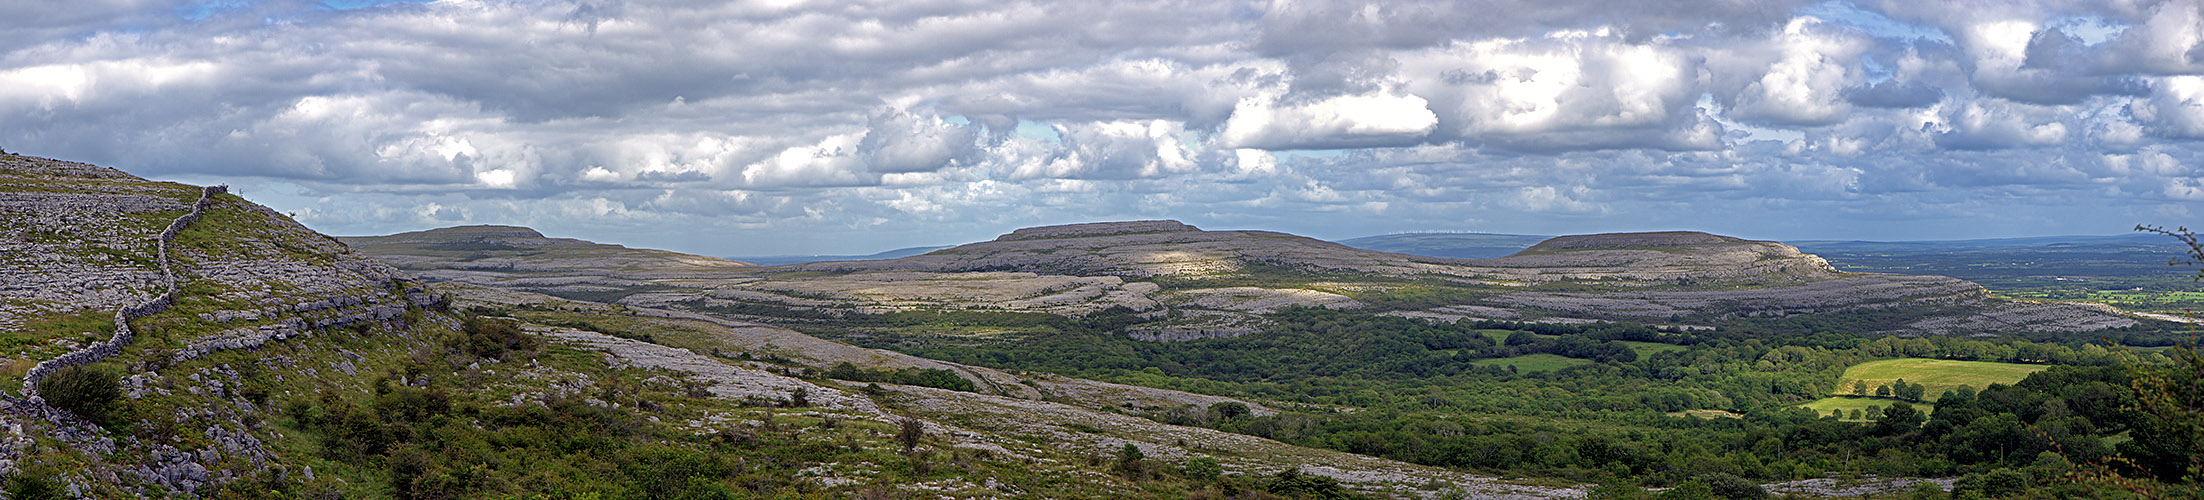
[1894, 94]
[900, 142]
[745, 121]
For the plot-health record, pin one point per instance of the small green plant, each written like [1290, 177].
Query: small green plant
[89, 392]
[908, 432]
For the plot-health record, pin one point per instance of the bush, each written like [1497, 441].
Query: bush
[1203, 469]
[26, 486]
[91, 393]
[1732, 487]
[1291, 482]
[492, 338]
[908, 432]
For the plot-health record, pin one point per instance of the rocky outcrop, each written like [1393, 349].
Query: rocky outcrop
[123, 334]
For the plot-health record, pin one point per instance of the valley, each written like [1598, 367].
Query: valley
[1146, 359]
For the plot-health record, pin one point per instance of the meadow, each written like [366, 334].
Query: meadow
[1935, 375]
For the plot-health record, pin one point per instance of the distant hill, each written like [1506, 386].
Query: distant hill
[1190, 283]
[784, 260]
[1448, 245]
[2126, 256]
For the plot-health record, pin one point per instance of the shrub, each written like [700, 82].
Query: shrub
[1203, 469]
[1732, 487]
[26, 486]
[88, 392]
[1291, 482]
[908, 432]
[492, 338]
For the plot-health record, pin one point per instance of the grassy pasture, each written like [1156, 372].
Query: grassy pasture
[1847, 403]
[1534, 362]
[1645, 349]
[1936, 375]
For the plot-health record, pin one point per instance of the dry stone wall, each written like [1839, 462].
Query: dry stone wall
[123, 335]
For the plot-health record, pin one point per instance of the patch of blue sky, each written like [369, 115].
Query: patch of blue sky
[1285, 154]
[203, 9]
[1873, 23]
[362, 4]
[2091, 30]
[1039, 131]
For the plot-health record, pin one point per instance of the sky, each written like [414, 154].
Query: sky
[820, 127]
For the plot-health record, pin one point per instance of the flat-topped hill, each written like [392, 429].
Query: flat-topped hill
[1097, 229]
[1142, 248]
[524, 252]
[1623, 241]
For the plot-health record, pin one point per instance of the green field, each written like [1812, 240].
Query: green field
[1848, 404]
[1936, 375]
[1499, 336]
[1650, 348]
[1534, 362]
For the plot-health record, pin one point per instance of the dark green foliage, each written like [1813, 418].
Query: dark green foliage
[1293, 483]
[1899, 418]
[1228, 410]
[1729, 486]
[1203, 469]
[1690, 490]
[33, 486]
[493, 338]
[1996, 483]
[908, 432]
[671, 472]
[1130, 461]
[92, 392]
[2169, 426]
[924, 377]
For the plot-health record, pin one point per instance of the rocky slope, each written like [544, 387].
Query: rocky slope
[184, 273]
[260, 359]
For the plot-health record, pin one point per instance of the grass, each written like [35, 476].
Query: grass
[1529, 363]
[1707, 414]
[1848, 403]
[1936, 375]
[1646, 349]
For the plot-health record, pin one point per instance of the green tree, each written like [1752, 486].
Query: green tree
[1228, 410]
[1203, 469]
[1690, 490]
[1732, 487]
[1899, 418]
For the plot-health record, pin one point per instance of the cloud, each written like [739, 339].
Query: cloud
[1334, 123]
[752, 119]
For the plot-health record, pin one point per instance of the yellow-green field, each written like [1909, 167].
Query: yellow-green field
[1848, 404]
[1534, 362]
[1936, 375]
[1651, 348]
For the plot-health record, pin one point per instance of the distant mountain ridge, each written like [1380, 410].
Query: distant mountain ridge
[1194, 283]
[784, 260]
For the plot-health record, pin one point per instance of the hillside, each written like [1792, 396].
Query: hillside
[1189, 283]
[179, 341]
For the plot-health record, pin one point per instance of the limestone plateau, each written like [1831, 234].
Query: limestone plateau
[239, 342]
[249, 355]
[1202, 284]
